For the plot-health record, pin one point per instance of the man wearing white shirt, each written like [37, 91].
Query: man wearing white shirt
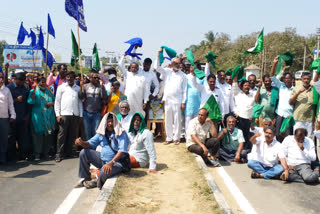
[243, 100]
[124, 116]
[226, 89]
[175, 95]
[137, 89]
[69, 109]
[265, 160]
[252, 83]
[284, 109]
[300, 152]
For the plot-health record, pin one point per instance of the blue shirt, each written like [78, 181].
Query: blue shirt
[121, 145]
[284, 109]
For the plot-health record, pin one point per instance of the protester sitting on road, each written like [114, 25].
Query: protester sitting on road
[142, 149]
[300, 151]
[232, 139]
[114, 142]
[197, 141]
[124, 116]
[266, 122]
[264, 161]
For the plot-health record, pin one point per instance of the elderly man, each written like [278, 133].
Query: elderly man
[142, 151]
[300, 152]
[137, 88]
[232, 139]
[284, 109]
[302, 99]
[6, 106]
[69, 110]
[124, 116]
[197, 141]
[264, 160]
[114, 142]
[244, 100]
[175, 90]
[93, 98]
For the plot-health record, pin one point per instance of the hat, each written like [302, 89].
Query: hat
[170, 52]
[111, 76]
[211, 57]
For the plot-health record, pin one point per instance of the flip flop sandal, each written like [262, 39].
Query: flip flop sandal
[167, 143]
[176, 142]
[255, 174]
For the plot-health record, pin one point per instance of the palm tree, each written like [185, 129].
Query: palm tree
[211, 38]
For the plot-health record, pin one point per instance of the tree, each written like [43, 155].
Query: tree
[2, 43]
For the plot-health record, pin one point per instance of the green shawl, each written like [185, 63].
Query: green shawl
[143, 125]
[239, 70]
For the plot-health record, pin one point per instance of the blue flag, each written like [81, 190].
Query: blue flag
[1, 70]
[40, 43]
[75, 9]
[50, 27]
[22, 34]
[133, 42]
[33, 38]
[50, 59]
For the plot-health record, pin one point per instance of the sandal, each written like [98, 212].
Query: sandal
[167, 142]
[176, 142]
[90, 184]
[255, 175]
[79, 184]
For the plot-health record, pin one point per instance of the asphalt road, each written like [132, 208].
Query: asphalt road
[36, 187]
[271, 196]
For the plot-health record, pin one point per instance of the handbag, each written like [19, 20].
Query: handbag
[124, 160]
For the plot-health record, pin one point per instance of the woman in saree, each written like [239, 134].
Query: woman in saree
[43, 118]
[115, 96]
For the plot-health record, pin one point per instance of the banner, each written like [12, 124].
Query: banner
[23, 57]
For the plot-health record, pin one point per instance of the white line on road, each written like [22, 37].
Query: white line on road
[237, 194]
[70, 200]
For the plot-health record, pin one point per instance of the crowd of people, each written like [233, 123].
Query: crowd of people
[105, 118]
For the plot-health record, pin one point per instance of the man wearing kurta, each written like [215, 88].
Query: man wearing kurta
[175, 91]
[137, 89]
[43, 118]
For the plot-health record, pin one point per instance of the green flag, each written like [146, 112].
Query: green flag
[287, 123]
[199, 74]
[75, 52]
[213, 108]
[259, 46]
[286, 58]
[239, 70]
[256, 111]
[316, 65]
[211, 57]
[170, 52]
[95, 59]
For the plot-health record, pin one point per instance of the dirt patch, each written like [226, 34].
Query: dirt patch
[178, 187]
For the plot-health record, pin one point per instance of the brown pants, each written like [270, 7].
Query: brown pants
[68, 130]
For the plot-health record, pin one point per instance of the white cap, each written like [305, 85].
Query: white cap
[111, 76]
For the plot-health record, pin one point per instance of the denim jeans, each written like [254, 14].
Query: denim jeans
[267, 172]
[91, 122]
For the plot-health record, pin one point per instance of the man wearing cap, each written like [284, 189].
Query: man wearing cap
[93, 98]
[69, 110]
[175, 95]
[137, 89]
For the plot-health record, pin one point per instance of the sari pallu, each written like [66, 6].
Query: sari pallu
[113, 104]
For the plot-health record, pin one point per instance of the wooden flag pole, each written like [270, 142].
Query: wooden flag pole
[80, 57]
[45, 71]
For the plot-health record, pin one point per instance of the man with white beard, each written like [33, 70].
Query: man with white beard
[137, 89]
[175, 89]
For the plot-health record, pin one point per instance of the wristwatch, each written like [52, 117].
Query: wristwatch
[113, 161]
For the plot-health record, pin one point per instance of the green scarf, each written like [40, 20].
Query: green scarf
[274, 96]
[286, 57]
[315, 99]
[287, 123]
[213, 108]
[239, 70]
[170, 52]
[316, 65]
[211, 57]
[190, 57]
[143, 125]
[119, 117]
[256, 111]
[229, 72]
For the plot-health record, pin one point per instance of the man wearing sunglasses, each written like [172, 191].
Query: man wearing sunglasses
[93, 97]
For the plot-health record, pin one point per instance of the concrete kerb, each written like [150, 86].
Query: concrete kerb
[214, 187]
[102, 200]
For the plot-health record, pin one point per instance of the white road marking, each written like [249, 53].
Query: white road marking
[236, 193]
[69, 201]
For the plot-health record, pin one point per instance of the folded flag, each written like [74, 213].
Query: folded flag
[287, 123]
[40, 43]
[75, 52]
[315, 98]
[133, 42]
[274, 96]
[48, 55]
[256, 111]
[170, 52]
[286, 58]
[33, 38]
[74, 8]
[50, 27]
[259, 46]
[22, 34]
[211, 57]
[315, 65]
[95, 59]
[239, 70]
[213, 108]
[190, 57]
[229, 72]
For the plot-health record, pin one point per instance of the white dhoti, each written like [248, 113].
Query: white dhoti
[173, 121]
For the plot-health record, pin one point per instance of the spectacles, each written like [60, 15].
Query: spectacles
[97, 78]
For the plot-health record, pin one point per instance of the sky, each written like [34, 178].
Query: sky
[176, 24]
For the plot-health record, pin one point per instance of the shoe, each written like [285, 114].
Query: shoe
[243, 160]
[90, 184]
[214, 163]
[255, 175]
[58, 159]
[79, 184]
[37, 157]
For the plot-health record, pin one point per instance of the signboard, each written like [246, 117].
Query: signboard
[23, 57]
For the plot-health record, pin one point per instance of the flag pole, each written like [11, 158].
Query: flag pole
[13, 51]
[45, 71]
[80, 56]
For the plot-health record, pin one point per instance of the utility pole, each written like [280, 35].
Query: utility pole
[304, 55]
[318, 40]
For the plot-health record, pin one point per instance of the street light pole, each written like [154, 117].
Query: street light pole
[318, 40]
